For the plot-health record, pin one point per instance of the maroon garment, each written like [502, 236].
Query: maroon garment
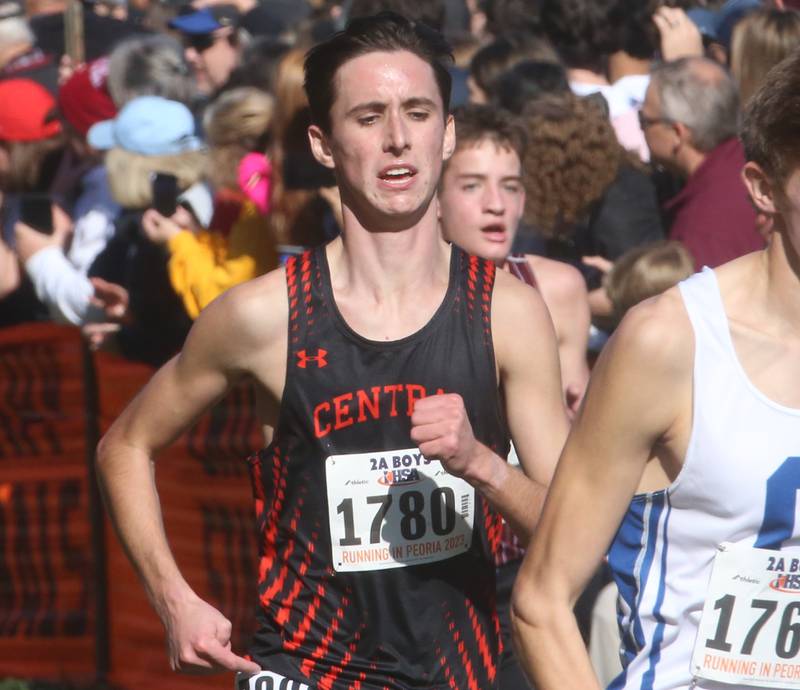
[712, 215]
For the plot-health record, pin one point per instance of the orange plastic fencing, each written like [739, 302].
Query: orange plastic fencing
[71, 605]
[46, 588]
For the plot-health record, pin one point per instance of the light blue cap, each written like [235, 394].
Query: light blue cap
[149, 125]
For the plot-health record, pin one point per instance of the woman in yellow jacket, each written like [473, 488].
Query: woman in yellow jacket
[203, 264]
[239, 244]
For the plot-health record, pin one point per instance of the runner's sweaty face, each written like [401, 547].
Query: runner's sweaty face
[388, 138]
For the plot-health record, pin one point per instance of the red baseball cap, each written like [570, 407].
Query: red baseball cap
[27, 111]
[84, 98]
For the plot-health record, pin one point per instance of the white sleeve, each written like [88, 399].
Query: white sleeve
[65, 290]
[90, 236]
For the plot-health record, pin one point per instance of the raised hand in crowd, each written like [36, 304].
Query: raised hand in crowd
[680, 36]
[160, 229]
[113, 299]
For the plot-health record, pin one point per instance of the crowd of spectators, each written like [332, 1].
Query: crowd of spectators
[175, 164]
[172, 162]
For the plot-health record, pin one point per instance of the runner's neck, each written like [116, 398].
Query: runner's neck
[387, 265]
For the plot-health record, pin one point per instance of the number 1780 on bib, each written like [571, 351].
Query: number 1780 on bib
[391, 509]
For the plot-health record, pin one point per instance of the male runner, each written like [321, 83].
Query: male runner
[694, 407]
[481, 202]
[381, 361]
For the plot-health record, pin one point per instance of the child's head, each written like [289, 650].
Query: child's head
[645, 272]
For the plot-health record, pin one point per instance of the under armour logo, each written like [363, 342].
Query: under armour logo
[320, 358]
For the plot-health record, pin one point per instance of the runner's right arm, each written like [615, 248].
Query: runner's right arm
[235, 336]
[639, 398]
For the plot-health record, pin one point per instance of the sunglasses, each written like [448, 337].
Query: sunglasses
[200, 42]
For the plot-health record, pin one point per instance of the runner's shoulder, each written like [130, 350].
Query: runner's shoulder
[513, 299]
[250, 316]
[657, 335]
[561, 283]
[522, 329]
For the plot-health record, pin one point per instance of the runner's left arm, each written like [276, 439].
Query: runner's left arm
[638, 397]
[526, 349]
[527, 360]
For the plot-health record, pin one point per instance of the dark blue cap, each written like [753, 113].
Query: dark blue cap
[705, 20]
[718, 25]
[206, 21]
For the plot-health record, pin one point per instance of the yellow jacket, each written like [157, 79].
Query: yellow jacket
[203, 265]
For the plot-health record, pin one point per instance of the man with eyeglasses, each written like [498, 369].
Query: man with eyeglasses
[689, 118]
[212, 40]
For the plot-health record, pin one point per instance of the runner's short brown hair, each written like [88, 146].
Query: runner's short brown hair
[384, 32]
[478, 123]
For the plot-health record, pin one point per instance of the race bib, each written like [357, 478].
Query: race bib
[267, 680]
[391, 509]
[750, 629]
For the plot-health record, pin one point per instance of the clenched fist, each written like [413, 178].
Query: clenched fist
[441, 429]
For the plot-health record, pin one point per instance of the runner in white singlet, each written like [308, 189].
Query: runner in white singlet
[685, 460]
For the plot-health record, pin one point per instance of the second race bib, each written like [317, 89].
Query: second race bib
[390, 509]
[750, 629]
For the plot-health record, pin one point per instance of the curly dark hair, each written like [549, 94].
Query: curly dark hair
[572, 157]
[496, 58]
[431, 12]
[527, 81]
[581, 31]
[503, 16]
[638, 34]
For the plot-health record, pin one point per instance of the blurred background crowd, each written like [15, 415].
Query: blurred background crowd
[153, 153]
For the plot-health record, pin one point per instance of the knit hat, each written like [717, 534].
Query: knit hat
[84, 99]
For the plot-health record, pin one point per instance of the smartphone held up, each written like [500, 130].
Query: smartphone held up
[165, 193]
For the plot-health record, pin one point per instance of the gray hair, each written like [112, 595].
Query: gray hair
[15, 31]
[700, 94]
[151, 65]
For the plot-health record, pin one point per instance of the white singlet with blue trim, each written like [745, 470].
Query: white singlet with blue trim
[739, 484]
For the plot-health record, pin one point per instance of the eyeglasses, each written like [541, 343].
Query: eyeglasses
[645, 122]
